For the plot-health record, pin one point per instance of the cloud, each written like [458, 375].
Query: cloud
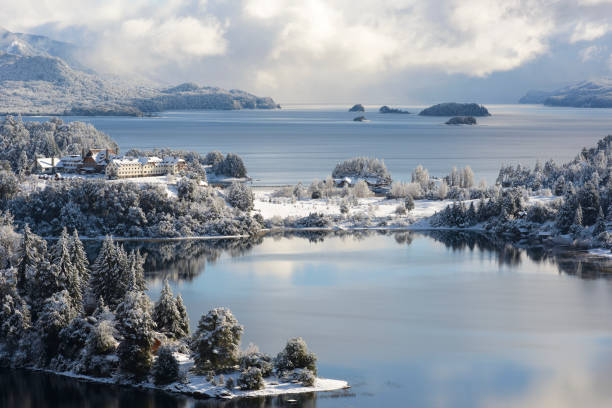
[586, 31]
[591, 52]
[308, 49]
[373, 36]
[135, 36]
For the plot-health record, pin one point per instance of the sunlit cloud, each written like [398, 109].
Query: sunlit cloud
[314, 47]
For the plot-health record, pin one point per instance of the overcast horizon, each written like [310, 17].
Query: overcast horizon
[313, 51]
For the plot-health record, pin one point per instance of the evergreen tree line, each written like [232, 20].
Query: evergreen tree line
[62, 313]
[95, 207]
[580, 211]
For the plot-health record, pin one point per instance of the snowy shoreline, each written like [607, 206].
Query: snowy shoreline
[197, 386]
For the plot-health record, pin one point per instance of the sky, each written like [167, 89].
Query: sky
[337, 51]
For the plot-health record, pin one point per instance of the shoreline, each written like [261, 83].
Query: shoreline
[202, 389]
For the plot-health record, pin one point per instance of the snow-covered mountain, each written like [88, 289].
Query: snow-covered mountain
[595, 93]
[42, 76]
[29, 45]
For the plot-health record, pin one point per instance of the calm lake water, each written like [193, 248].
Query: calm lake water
[301, 143]
[409, 320]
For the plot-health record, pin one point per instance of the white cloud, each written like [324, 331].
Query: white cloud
[586, 31]
[312, 47]
[138, 35]
[591, 52]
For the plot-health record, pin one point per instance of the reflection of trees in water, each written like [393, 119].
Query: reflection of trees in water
[22, 388]
[570, 262]
[184, 259]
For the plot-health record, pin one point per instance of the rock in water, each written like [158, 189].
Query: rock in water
[386, 109]
[357, 108]
[461, 120]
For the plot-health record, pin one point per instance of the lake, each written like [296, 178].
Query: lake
[301, 143]
[442, 320]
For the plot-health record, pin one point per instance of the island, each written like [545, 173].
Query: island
[455, 109]
[461, 120]
[360, 119]
[386, 109]
[357, 108]
[596, 93]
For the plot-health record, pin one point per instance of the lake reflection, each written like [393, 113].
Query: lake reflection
[423, 320]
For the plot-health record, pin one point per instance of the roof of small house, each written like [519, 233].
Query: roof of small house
[47, 162]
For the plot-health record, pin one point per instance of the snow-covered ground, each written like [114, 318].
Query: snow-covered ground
[199, 386]
[378, 207]
[269, 206]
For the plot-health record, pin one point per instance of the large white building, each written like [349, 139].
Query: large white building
[125, 167]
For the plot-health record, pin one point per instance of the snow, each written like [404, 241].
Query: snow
[198, 386]
[282, 207]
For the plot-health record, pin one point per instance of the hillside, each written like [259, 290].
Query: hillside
[585, 94]
[36, 79]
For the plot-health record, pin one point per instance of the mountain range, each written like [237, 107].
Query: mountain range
[586, 94]
[39, 75]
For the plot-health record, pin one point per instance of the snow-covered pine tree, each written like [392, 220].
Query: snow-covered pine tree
[29, 260]
[110, 274]
[135, 325]
[184, 319]
[56, 314]
[136, 265]
[166, 367]
[600, 223]
[166, 314]
[216, 343]
[67, 276]
[15, 317]
[578, 216]
[79, 260]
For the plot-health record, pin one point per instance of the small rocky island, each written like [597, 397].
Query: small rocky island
[360, 119]
[461, 120]
[357, 108]
[386, 109]
[455, 109]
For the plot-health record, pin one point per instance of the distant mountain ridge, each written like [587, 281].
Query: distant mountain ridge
[42, 76]
[595, 93]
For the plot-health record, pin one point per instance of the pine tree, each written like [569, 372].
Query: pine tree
[471, 217]
[135, 325]
[166, 367]
[578, 216]
[184, 319]
[30, 258]
[15, 317]
[166, 314]
[79, 260]
[110, 274]
[600, 223]
[566, 215]
[55, 315]
[136, 265]
[216, 342]
[67, 276]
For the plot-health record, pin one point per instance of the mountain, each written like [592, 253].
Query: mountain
[29, 45]
[586, 94]
[42, 76]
